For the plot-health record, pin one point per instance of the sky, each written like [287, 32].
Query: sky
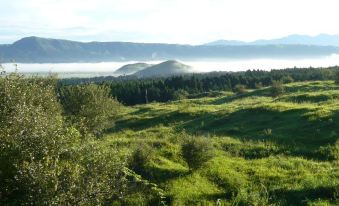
[166, 21]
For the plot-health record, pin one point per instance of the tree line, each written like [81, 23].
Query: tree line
[131, 91]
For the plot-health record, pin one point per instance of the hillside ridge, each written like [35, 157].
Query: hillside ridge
[46, 50]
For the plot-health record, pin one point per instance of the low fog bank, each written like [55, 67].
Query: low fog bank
[108, 68]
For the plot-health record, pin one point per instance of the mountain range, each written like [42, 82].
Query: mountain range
[43, 50]
[319, 40]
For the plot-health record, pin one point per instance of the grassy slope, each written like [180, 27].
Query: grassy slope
[267, 150]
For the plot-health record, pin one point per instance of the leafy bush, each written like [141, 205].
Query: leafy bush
[287, 79]
[89, 108]
[240, 89]
[92, 175]
[180, 94]
[196, 151]
[141, 156]
[277, 88]
[42, 162]
[31, 139]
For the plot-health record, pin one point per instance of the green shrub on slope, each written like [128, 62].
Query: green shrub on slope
[196, 151]
[90, 108]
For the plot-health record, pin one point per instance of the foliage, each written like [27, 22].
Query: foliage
[140, 158]
[196, 151]
[131, 91]
[240, 89]
[155, 195]
[89, 108]
[32, 139]
[91, 175]
[287, 79]
[180, 94]
[277, 88]
[42, 162]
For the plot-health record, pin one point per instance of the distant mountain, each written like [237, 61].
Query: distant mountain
[222, 42]
[167, 68]
[131, 68]
[42, 50]
[320, 40]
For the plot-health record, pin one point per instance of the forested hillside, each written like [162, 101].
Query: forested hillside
[130, 90]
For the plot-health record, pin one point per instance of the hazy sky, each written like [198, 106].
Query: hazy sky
[167, 21]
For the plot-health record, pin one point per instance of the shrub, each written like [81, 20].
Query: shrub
[287, 79]
[89, 108]
[140, 158]
[41, 160]
[277, 88]
[92, 176]
[240, 89]
[180, 94]
[32, 138]
[196, 151]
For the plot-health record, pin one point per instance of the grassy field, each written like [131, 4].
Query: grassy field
[267, 151]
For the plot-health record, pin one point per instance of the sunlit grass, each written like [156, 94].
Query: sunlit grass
[268, 150]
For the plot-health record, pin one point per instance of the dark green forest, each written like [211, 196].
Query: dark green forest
[131, 91]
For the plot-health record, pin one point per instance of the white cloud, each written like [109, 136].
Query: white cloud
[173, 21]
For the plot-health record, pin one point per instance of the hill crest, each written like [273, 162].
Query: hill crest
[167, 68]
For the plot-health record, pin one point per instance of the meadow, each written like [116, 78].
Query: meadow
[267, 151]
[76, 145]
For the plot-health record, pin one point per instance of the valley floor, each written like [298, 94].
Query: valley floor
[268, 151]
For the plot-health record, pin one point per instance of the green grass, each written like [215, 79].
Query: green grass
[268, 151]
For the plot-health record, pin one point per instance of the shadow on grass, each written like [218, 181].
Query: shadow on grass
[202, 200]
[255, 93]
[311, 87]
[214, 197]
[300, 197]
[289, 129]
[300, 98]
[141, 111]
[294, 134]
[166, 119]
[161, 175]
